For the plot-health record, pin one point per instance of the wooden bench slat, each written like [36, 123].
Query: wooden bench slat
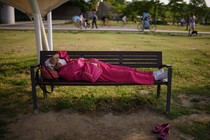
[112, 57]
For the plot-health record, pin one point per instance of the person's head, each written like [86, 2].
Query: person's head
[54, 59]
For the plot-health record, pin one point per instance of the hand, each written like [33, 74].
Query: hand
[58, 66]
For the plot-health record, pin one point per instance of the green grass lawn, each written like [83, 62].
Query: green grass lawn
[189, 56]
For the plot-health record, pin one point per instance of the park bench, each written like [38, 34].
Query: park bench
[135, 59]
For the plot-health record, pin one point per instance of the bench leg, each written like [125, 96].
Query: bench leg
[158, 90]
[168, 98]
[45, 91]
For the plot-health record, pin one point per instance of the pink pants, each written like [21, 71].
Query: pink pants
[116, 73]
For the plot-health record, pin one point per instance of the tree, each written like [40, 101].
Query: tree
[84, 6]
[118, 5]
[175, 6]
[93, 4]
[199, 8]
[139, 7]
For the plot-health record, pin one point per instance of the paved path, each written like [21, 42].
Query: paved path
[59, 25]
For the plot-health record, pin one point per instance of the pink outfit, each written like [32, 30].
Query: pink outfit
[64, 55]
[94, 70]
[116, 73]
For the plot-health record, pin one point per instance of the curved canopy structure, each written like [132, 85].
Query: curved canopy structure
[38, 9]
[45, 6]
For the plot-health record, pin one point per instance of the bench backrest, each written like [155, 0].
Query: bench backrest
[135, 59]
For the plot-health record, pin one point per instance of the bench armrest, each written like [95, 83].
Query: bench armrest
[168, 67]
[165, 65]
[33, 69]
[169, 86]
[169, 70]
[33, 66]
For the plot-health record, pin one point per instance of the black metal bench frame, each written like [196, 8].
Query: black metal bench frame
[135, 59]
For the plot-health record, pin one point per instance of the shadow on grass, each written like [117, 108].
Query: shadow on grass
[199, 130]
[15, 86]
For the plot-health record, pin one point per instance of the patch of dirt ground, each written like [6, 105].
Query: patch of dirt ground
[69, 125]
[66, 125]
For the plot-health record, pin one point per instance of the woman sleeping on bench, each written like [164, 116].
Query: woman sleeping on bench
[93, 70]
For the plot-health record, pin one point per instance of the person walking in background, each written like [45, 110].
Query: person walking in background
[81, 20]
[182, 22]
[105, 20]
[192, 20]
[124, 19]
[94, 19]
[86, 24]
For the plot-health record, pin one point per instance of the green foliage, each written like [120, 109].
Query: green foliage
[84, 6]
[93, 4]
[139, 7]
[173, 12]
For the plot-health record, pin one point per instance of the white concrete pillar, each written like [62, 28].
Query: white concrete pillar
[50, 37]
[7, 14]
[38, 34]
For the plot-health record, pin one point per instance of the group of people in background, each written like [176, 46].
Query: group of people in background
[84, 22]
[94, 18]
